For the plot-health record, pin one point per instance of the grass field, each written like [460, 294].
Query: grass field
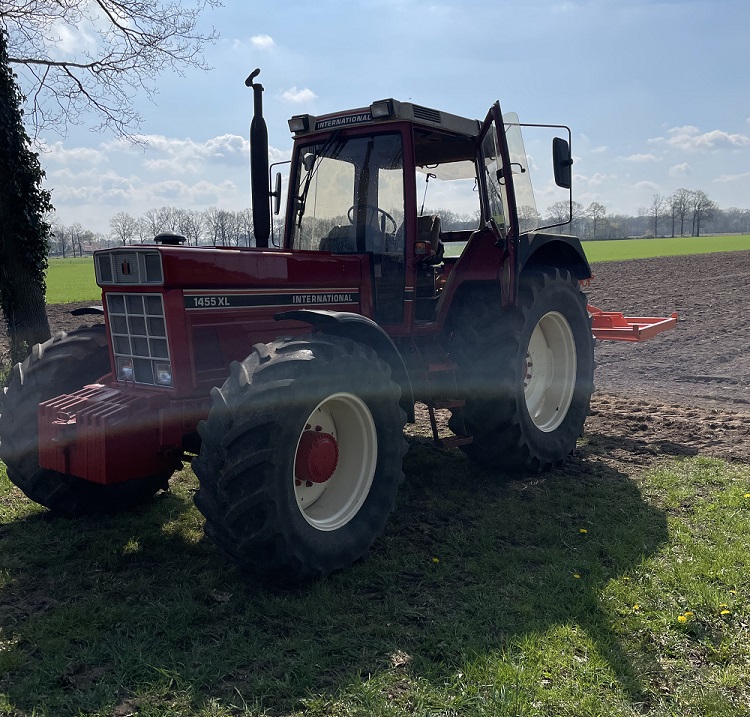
[73, 279]
[611, 595]
[647, 248]
[620, 250]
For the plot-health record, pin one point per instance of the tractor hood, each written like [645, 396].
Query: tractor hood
[211, 268]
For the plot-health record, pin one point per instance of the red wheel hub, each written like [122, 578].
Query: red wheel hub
[317, 457]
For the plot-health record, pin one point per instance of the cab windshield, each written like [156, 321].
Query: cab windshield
[349, 195]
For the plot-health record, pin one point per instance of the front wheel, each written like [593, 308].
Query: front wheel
[301, 457]
[527, 372]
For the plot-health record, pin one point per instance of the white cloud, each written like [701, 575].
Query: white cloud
[186, 155]
[642, 158]
[599, 150]
[263, 42]
[595, 179]
[689, 137]
[645, 184]
[680, 170]
[71, 40]
[729, 178]
[91, 184]
[59, 154]
[296, 96]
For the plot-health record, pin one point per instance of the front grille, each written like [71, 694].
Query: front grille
[129, 267]
[139, 334]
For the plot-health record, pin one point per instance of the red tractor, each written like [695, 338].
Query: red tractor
[289, 371]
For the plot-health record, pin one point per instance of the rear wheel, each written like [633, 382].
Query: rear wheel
[63, 364]
[301, 457]
[527, 372]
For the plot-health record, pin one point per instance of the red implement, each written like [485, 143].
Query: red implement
[614, 326]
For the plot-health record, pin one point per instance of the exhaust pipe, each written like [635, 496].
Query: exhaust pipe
[259, 187]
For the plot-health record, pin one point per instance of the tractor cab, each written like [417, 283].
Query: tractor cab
[412, 189]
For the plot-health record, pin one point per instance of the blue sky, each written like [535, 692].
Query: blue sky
[657, 95]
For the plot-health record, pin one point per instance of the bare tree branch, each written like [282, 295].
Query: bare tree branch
[95, 55]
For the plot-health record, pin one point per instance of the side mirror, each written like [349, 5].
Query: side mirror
[562, 162]
[276, 194]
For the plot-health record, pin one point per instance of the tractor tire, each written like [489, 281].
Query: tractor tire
[301, 457]
[527, 372]
[62, 364]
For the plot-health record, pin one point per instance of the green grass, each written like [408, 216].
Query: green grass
[647, 248]
[595, 594]
[71, 280]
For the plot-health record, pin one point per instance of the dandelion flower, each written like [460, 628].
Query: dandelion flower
[436, 560]
[725, 612]
[689, 613]
[636, 607]
[583, 530]
[681, 618]
[723, 604]
[576, 576]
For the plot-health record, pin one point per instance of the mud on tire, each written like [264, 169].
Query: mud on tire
[527, 372]
[62, 364]
[265, 508]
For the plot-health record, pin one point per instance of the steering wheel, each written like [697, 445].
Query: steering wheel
[375, 211]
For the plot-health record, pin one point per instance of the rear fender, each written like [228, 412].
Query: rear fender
[558, 250]
[364, 331]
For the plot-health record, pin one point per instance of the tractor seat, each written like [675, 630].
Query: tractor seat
[340, 239]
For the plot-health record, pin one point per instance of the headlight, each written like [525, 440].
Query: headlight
[125, 369]
[163, 373]
[381, 109]
[299, 123]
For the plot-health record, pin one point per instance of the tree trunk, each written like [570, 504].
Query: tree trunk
[23, 303]
[23, 231]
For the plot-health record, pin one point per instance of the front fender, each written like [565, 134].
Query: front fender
[365, 331]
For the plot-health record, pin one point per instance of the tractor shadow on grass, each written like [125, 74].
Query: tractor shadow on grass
[139, 610]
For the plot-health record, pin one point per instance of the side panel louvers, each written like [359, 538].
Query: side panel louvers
[425, 113]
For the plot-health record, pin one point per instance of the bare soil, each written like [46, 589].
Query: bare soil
[685, 392]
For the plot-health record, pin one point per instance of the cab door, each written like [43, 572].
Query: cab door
[498, 198]
[499, 214]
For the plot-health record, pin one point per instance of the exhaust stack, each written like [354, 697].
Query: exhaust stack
[259, 186]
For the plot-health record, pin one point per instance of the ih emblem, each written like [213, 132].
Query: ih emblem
[126, 269]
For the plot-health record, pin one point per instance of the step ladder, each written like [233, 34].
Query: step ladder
[441, 375]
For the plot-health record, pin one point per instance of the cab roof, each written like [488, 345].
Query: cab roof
[388, 110]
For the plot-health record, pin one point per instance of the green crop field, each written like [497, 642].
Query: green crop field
[677, 246]
[71, 280]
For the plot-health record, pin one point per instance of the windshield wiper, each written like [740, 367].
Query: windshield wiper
[317, 157]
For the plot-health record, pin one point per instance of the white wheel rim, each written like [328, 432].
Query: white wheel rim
[332, 504]
[550, 377]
